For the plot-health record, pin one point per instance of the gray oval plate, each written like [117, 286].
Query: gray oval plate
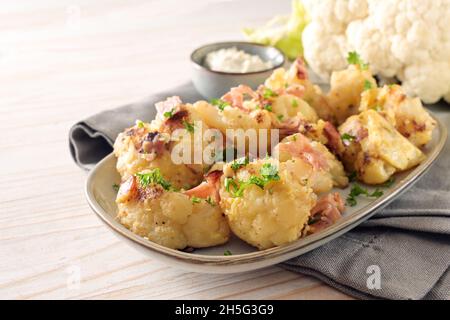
[101, 198]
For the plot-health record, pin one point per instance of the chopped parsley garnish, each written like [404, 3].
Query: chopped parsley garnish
[152, 177]
[239, 163]
[268, 107]
[229, 182]
[188, 126]
[195, 200]
[268, 173]
[378, 107]
[269, 93]
[352, 176]
[219, 103]
[347, 137]
[116, 187]
[367, 85]
[354, 58]
[139, 123]
[210, 201]
[280, 117]
[294, 103]
[227, 253]
[389, 183]
[357, 190]
[169, 114]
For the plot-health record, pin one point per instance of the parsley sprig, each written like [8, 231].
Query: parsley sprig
[268, 107]
[239, 163]
[153, 177]
[367, 85]
[188, 126]
[354, 58]
[357, 190]
[219, 103]
[140, 123]
[269, 93]
[389, 183]
[169, 114]
[268, 173]
[347, 137]
[195, 199]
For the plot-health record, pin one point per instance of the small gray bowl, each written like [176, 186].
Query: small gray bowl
[213, 84]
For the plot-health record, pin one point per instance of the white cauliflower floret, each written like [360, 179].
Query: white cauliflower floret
[408, 39]
[311, 162]
[264, 205]
[149, 208]
[374, 149]
[329, 51]
[153, 145]
[406, 114]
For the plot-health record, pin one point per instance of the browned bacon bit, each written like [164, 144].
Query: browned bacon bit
[176, 120]
[326, 212]
[152, 144]
[296, 90]
[170, 105]
[302, 73]
[150, 192]
[208, 188]
[237, 95]
[419, 127]
[135, 132]
[361, 134]
[334, 139]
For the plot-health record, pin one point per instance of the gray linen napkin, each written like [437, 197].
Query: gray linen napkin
[407, 244]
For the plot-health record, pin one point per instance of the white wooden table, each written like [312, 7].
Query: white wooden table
[61, 61]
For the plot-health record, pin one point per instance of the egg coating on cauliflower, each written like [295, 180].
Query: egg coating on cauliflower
[264, 205]
[149, 208]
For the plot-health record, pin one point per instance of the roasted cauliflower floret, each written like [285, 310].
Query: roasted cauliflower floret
[312, 162]
[263, 204]
[406, 114]
[153, 145]
[374, 149]
[150, 208]
[237, 109]
[346, 87]
[324, 132]
[249, 122]
[295, 81]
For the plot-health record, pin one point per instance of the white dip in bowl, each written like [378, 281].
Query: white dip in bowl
[235, 61]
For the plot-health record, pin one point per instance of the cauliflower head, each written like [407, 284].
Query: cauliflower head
[408, 39]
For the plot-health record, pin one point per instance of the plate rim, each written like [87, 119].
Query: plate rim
[306, 244]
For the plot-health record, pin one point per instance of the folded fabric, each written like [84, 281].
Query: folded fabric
[403, 252]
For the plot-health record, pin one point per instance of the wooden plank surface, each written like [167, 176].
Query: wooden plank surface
[61, 61]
